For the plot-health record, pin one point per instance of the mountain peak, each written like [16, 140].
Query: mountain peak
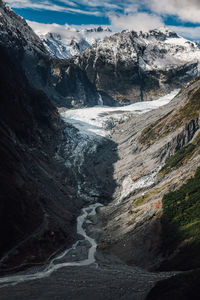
[97, 29]
[160, 33]
[72, 41]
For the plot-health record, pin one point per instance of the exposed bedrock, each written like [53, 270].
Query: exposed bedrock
[132, 228]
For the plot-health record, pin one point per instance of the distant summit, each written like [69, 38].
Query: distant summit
[73, 41]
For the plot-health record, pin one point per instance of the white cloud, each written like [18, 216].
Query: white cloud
[192, 33]
[67, 2]
[122, 14]
[108, 4]
[42, 28]
[185, 10]
[47, 5]
[137, 21]
[66, 31]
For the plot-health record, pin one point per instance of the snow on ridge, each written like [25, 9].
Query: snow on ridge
[69, 42]
[159, 50]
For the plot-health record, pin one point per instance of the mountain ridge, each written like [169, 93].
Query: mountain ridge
[129, 66]
[71, 41]
[124, 68]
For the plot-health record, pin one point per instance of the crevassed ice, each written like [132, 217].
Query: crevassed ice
[91, 121]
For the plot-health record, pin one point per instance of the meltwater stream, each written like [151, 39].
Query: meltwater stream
[86, 213]
[90, 123]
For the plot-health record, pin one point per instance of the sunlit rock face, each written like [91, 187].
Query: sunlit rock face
[131, 66]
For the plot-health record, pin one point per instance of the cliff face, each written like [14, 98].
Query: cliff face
[158, 152]
[34, 206]
[132, 67]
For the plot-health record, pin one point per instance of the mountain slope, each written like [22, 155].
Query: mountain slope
[36, 218]
[158, 152]
[132, 66]
[123, 68]
[15, 32]
[64, 82]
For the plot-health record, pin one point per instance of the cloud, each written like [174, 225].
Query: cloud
[107, 4]
[47, 5]
[42, 28]
[185, 10]
[136, 21]
[130, 14]
[192, 33]
[64, 30]
[67, 2]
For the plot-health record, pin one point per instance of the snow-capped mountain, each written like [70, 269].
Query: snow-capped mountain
[120, 69]
[130, 66]
[73, 41]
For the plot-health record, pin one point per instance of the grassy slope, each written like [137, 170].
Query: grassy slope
[173, 120]
[181, 226]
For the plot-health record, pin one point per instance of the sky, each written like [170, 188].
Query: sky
[183, 16]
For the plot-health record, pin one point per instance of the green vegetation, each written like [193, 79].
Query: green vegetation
[181, 156]
[144, 199]
[191, 109]
[151, 132]
[141, 200]
[181, 225]
[178, 159]
[173, 120]
[132, 212]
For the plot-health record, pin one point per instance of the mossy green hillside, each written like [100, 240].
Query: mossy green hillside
[181, 225]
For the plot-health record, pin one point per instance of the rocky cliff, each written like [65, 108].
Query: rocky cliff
[131, 66]
[36, 209]
[153, 221]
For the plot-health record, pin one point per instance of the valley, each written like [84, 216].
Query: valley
[99, 168]
[92, 125]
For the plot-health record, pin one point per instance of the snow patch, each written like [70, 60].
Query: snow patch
[129, 186]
